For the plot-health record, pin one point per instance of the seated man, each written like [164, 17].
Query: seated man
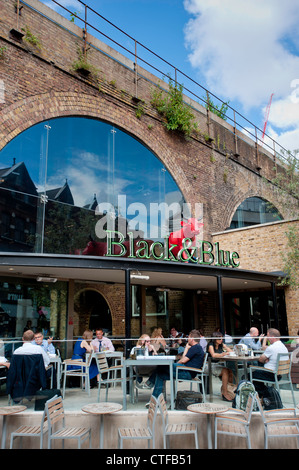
[27, 372]
[30, 348]
[102, 341]
[45, 344]
[269, 360]
[250, 339]
[193, 356]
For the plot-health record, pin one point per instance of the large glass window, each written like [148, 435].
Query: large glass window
[29, 304]
[59, 178]
[254, 211]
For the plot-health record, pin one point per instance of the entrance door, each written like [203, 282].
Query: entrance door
[247, 309]
[94, 311]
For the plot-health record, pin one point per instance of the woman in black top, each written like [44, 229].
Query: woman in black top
[217, 349]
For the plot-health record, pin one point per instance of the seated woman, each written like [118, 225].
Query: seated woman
[144, 342]
[158, 341]
[82, 346]
[217, 349]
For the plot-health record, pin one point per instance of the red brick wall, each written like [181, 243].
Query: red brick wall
[260, 249]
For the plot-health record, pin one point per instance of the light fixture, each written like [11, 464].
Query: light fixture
[162, 289]
[46, 279]
[139, 276]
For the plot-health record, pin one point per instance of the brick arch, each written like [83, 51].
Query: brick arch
[99, 291]
[241, 196]
[24, 114]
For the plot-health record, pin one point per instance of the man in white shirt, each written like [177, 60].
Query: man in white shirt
[30, 348]
[101, 342]
[269, 359]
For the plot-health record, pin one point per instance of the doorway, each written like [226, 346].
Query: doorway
[94, 311]
[247, 309]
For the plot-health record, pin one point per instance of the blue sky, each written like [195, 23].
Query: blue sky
[242, 51]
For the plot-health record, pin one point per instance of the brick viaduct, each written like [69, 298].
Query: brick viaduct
[39, 84]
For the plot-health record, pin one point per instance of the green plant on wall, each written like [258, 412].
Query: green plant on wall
[140, 111]
[82, 64]
[214, 108]
[31, 38]
[2, 52]
[171, 106]
[287, 184]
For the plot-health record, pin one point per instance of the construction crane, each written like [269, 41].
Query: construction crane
[266, 117]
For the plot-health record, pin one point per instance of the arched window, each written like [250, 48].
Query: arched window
[254, 211]
[64, 175]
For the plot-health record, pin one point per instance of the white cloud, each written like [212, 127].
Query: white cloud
[246, 51]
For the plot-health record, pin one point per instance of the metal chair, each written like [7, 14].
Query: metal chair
[199, 379]
[283, 369]
[111, 373]
[30, 431]
[146, 432]
[81, 370]
[55, 416]
[174, 429]
[279, 423]
[236, 424]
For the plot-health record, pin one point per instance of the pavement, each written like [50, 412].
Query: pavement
[75, 398]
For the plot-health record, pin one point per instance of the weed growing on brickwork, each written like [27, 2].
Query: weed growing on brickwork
[171, 106]
[81, 65]
[287, 183]
[225, 174]
[31, 38]
[214, 108]
[140, 111]
[2, 52]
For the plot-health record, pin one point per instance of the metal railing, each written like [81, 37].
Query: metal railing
[237, 120]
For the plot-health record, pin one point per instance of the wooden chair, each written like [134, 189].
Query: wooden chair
[55, 417]
[283, 369]
[146, 432]
[236, 424]
[199, 379]
[279, 423]
[30, 431]
[111, 373]
[174, 429]
[81, 370]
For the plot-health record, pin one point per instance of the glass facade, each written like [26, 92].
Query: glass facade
[28, 304]
[61, 183]
[254, 211]
[247, 309]
[60, 178]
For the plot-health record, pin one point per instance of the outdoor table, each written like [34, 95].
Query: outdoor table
[102, 409]
[5, 411]
[228, 358]
[150, 361]
[208, 409]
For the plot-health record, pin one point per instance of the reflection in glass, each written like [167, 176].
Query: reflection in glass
[28, 304]
[66, 174]
[254, 211]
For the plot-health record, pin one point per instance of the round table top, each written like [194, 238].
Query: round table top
[102, 408]
[207, 408]
[9, 410]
